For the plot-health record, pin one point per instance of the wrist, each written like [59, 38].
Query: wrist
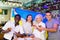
[45, 29]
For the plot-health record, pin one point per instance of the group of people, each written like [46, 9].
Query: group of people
[32, 30]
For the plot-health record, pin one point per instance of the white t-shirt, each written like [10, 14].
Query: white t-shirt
[39, 34]
[11, 25]
[27, 28]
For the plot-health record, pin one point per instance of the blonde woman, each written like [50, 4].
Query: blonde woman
[38, 32]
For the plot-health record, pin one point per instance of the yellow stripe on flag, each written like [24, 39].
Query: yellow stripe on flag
[46, 34]
[20, 22]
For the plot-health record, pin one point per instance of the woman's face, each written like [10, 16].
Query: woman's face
[38, 19]
[29, 18]
[48, 16]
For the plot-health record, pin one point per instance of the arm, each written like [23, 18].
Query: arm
[7, 28]
[19, 32]
[54, 29]
[6, 31]
[19, 35]
[40, 28]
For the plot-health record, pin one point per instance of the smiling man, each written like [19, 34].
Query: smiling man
[12, 28]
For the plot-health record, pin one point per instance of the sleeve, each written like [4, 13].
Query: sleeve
[6, 26]
[56, 22]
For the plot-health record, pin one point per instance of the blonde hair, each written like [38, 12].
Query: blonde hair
[39, 15]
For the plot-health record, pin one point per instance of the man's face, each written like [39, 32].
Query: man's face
[17, 19]
[48, 16]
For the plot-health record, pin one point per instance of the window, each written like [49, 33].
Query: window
[3, 11]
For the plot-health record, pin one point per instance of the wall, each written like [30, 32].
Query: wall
[4, 18]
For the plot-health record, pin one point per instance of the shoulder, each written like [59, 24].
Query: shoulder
[25, 24]
[34, 21]
[42, 23]
[55, 21]
[19, 26]
[9, 22]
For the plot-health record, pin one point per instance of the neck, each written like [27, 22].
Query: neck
[49, 20]
[16, 24]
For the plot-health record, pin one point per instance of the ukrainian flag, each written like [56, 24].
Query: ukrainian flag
[24, 14]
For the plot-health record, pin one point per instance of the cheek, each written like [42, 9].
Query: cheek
[47, 16]
[29, 18]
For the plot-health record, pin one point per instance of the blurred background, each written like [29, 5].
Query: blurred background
[35, 6]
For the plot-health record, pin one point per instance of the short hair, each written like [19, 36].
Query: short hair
[18, 16]
[48, 12]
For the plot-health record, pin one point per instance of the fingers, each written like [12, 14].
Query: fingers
[9, 29]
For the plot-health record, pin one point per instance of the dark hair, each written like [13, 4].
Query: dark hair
[50, 13]
[31, 20]
[18, 16]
